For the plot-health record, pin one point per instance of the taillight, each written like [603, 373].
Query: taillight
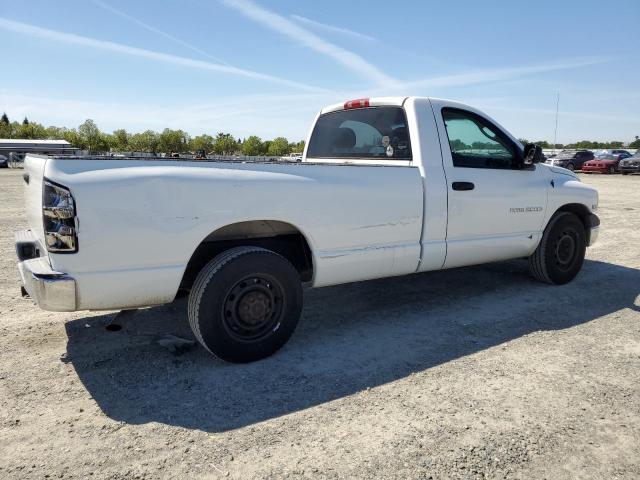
[59, 219]
[357, 103]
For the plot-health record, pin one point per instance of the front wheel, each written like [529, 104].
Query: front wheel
[571, 167]
[245, 304]
[560, 254]
[612, 170]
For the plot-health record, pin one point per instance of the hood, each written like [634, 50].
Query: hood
[562, 171]
[606, 162]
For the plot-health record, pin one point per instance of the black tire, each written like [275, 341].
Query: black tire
[612, 170]
[571, 167]
[245, 304]
[625, 173]
[560, 254]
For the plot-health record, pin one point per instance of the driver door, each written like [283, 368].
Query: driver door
[496, 208]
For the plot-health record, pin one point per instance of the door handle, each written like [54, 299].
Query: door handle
[463, 186]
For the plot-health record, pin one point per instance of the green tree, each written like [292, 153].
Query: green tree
[297, 147]
[31, 131]
[173, 141]
[202, 142]
[4, 118]
[252, 146]
[635, 143]
[74, 139]
[55, 133]
[543, 144]
[278, 147]
[119, 140]
[91, 137]
[25, 121]
[225, 144]
[6, 130]
[146, 141]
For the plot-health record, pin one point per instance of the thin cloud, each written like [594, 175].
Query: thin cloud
[310, 40]
[501, 74]
[70, 38]
[157, 31]
[334, 29]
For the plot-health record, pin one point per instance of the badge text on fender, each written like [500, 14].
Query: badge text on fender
[525, 209]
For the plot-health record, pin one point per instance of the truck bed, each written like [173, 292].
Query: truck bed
[224, 160]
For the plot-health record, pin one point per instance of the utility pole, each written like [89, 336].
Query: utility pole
[555, 134]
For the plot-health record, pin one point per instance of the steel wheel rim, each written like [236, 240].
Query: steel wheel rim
[566, 250]
[253, 308]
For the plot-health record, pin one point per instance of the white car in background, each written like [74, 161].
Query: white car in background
[292, 157]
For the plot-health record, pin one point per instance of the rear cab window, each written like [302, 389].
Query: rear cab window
[377, 133]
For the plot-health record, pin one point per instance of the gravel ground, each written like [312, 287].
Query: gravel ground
[470, 373]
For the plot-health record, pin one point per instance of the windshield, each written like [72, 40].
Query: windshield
[376, 132]
[606, 156]
[562, 155]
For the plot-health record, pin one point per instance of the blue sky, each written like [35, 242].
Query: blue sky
[265, 67]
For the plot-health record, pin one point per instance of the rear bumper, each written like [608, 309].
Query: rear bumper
[51, 290]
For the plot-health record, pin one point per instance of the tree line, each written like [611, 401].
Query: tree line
[586, 144]
[89, 137]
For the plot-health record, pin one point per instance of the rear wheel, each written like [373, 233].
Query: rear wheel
[571, 167]
[625, 173]
[612, 169]
[560, 254]
[245, 304]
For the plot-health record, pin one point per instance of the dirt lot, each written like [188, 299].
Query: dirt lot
[471, 373]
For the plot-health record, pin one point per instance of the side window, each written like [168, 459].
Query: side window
[476, 143]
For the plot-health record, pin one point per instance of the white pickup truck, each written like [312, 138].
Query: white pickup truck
[387, 186]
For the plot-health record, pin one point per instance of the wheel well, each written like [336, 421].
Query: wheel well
[280, 237]
[582, 212]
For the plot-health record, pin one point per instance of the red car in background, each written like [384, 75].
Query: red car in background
[604, 163]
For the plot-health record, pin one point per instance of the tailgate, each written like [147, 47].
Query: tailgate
[33, 176]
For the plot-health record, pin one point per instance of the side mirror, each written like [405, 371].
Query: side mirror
[532, 154]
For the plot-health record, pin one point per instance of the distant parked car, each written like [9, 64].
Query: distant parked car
[292, 157]
[4, 161]
[618, 151]
[622, 152]
[630, 164]
[571, 159]
[603, 163]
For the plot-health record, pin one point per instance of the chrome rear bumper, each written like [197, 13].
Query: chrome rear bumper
[51, 290]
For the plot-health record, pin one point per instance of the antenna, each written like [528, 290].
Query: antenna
[555, 134]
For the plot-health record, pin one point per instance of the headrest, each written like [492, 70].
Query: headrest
[344, 138]
[400, 134]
